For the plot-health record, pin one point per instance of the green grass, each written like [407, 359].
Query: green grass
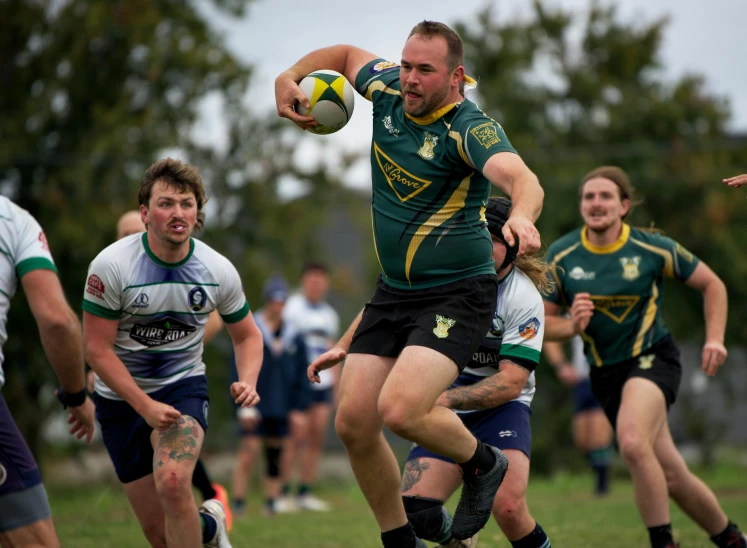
[101, 517]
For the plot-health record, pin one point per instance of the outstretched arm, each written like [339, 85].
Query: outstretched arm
[715, 305]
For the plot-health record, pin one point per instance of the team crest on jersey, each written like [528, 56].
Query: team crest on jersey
[196, 299]
[486, 134]
[443, 324]
[646, 362]
[159, 332]
[429, 143]
[630, 267]
[529, 329]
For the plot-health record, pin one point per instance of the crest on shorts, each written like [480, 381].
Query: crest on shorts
[3, 474]
[429, 143]
[630, 267]
[646, 362]
[442, 326]
[205, 406]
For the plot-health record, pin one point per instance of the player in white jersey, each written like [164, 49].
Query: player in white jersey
[25, 516]
[146, 303]
[492, 396]
[314, 317]
[592, 433]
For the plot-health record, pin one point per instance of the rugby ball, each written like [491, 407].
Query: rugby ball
[331, 100]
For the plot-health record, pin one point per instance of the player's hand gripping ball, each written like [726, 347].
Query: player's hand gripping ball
[331, 100]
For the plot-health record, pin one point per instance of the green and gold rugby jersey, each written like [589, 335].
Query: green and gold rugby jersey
[625, 281]
[429, 195]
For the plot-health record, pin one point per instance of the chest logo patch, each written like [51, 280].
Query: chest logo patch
[390, 126]
[196, 299]
[404, 184]
[486, 134]
[630, 267]
[159, 332]
[429, 143]
[615, 307]
[443, 324]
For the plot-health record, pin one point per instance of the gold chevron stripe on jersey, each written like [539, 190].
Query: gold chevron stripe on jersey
[648, 320]
[408, 184]
[380, 86]
[455, 204]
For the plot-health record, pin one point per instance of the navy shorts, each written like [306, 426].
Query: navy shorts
[583, 398]
[18, 469]
[505, 427]
[325, 395]
[268, 428]
[127, 435]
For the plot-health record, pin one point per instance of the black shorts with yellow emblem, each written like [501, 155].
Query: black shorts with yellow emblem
[451, 319]
[660, 364]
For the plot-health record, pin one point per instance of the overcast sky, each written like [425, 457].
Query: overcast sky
[705, 38]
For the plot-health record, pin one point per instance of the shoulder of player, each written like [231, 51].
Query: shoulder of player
[564, 243]
[468, 116]
[124, 251]
[212, 260]
[380, 74]
[523, 294]
[13, 216]
[650, 237]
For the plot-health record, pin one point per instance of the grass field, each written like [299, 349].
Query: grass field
[101, 517]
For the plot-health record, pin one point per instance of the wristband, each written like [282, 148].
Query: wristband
[71, 400]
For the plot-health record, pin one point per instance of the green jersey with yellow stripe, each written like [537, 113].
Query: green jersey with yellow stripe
[625, 281]
[429, 193]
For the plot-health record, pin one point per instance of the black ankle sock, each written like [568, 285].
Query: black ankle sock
[401, 537]
[201, 481]
[731, 537]
[483, 460]
[536, 539]
[661, 536]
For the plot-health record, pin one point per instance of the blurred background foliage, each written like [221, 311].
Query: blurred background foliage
[96, 91]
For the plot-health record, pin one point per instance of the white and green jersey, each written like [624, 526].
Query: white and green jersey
[516, 334]
[23, 248]
[162, 308]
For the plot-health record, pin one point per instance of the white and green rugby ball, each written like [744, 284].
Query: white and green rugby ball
[331, 100]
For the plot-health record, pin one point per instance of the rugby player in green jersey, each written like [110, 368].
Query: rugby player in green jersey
[610, 276]
[434, 156]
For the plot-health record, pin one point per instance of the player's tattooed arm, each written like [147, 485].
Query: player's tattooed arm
[501, 387]
[413, 472]
[178, 442]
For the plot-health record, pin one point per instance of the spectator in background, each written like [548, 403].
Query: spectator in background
[318, 322]
[592, 433]
[284, 355]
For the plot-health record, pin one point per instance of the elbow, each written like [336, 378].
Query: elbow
[59, 323]
[515, 391]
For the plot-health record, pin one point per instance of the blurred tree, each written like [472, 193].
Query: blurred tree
[570, 104]
[95, 92]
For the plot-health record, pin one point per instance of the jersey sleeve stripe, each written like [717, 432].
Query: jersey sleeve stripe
[648, 320]
[237, 316]
[101, 311]
[520, 351]
[34, 263]
[665, 254]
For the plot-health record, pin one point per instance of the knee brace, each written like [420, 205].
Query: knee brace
[430, 520]
[272, 457]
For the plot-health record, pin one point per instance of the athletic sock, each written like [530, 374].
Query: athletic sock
[239, 505]
[400, 537]
[661, 536]
[303, 489]
[483, 460]
[201, 481]
[209, 527]
[286, 489]
[536, 539]
[599, 459]
[270, 505]
[731, 537]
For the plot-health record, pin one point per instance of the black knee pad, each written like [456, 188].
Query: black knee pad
[430, 520]
[272, 456]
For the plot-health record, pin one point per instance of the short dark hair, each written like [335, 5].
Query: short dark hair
[620, 178]
[314, 266]
[179, 175]
[454, 44]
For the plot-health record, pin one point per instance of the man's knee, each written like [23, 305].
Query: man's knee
[508, 511]
[398, 417]
[430, 520]
[173, 484]
[634, 448]
[354, 427]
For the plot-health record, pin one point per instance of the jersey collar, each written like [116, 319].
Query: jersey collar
[433, 116]
[164, 264]
[609, 248]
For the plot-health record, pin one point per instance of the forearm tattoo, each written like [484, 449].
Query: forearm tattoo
[177, 443]
[486, 394]
[413, 472]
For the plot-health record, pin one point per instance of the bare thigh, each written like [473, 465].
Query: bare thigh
[40, 534]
